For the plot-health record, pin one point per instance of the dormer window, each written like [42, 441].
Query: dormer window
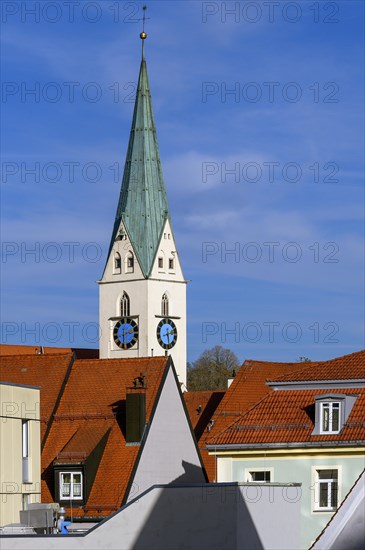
[331, 412]
[330, 417]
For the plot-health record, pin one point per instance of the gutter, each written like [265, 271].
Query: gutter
[305, 445]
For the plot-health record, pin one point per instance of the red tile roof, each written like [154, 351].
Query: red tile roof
[347, 367]
[83, 442]
[90, 398]
[201, 407]
[288, 417]
[47, 371]
[249, 387]
[94, 400]
[14, 349]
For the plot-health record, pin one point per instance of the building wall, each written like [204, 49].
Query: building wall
[145, 301]
[213, 517]
[18, 403]
[169, 454]
[298, 468]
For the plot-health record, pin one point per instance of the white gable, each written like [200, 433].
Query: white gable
[169, 454]
[167, 252]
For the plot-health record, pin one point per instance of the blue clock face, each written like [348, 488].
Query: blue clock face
[166, 333]
[125, 333]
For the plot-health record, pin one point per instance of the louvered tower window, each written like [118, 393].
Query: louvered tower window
[117, 263]
[165, 305]
[125, 305]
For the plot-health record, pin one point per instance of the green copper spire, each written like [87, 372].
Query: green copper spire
[142, 205]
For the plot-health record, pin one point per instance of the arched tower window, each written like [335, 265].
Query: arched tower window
[117, 263]
[125, 305]
[165, 305]
[129, 262]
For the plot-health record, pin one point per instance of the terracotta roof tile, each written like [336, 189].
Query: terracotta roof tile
[81, 353]
[94, 400]
[201, 406]
[248, 387]
[347, 367]
[83, 442]
[46, 371]
[287, 417]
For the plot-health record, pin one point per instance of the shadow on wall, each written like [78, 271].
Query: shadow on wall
[212, 405]
[119, 411]
[191, 520]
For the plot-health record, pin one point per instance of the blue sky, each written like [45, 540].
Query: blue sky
[259, 116]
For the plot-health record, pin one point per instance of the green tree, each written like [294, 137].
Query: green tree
[212, 369]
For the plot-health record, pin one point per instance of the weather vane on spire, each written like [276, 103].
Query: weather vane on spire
[143, 35]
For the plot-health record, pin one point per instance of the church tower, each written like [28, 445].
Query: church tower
[143, 290]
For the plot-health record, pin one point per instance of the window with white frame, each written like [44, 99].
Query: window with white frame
[71, 485]
[258, 475]
[26, 470]
[125, 305]
[330, 417]
[171, 263]
[326, 489]
[25, 438]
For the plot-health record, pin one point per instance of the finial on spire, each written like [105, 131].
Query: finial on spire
[143, 34]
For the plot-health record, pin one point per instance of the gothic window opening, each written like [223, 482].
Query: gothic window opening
[125, 305]
[165, 305]
[130, 262]
[117, 263]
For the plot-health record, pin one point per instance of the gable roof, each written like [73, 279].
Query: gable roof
[142, 205]
[201, 406]
[248, 387]
[49, 372]
[18, 349]
[287, 417]
[347, 367]
[85, 415]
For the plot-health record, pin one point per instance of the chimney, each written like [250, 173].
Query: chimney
[230, 380]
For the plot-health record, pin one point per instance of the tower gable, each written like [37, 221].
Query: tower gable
[122, 263]
[166, 264]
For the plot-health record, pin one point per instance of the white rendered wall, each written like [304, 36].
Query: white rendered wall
[169, 453]
[18, 403]
[213, 517]
[145, 301]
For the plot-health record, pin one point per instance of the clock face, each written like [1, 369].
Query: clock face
[125, 333]
[166, 333]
